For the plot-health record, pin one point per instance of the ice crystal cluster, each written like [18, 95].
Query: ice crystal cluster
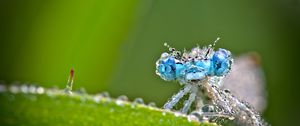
[200, 72]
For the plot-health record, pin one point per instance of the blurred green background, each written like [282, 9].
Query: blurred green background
[113, 45]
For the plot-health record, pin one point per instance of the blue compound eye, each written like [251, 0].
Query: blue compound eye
[167, 68]
[179, 70]
[221, 62]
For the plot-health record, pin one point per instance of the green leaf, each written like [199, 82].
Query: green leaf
[54, 107]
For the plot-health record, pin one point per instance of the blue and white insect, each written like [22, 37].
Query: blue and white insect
[194, 66]
[201, 71]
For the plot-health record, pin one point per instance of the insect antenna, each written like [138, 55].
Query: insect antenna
[211, 46]
[173, 51]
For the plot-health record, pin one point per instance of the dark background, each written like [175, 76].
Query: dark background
[113, 45]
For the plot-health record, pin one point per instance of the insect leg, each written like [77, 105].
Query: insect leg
[175, 98]
[199, 100]
[191, 99]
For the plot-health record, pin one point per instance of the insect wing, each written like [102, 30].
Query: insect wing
[246, 81]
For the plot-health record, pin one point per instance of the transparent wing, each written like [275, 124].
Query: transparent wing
[246, 80]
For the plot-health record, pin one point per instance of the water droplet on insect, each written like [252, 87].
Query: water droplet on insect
[196, 114]
[227, 91]
[244, 117]
[195, 51]
[171, 49]
[231, 118]
[165, 44]
[164, 55]
[151, 104]
[253, 117]
[138, 101]
[208, 108]
[205, 119]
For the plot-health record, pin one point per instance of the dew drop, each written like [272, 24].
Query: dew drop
[51, 91]
[123, 98]
[138, 101]
[14, 89]
[97, 98]
[24, 89]
[177, 114]
[32, 89]
[68, 92]
[119, 102]
[81, 91]
[40, 90]
[105, 94]
[151, 104]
